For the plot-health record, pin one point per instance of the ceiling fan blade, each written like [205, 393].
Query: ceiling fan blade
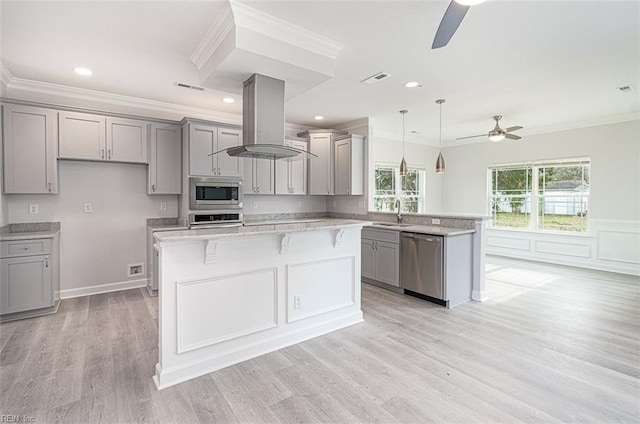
[449, 24]
[516, 128]
[512, 136]
[472, 136]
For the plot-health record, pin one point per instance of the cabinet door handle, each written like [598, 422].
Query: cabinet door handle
[153, 187]
[26, 248]
[49, 185]
[102, 153]
[109, 154]
[46, 262]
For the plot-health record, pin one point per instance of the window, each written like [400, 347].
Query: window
[550, 196]
[390, 187]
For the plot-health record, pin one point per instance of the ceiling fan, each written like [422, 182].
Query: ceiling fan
[497, 133]
[451, 21]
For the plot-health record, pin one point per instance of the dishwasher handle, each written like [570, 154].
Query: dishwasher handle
[422, 237]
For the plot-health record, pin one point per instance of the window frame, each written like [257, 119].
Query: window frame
[536, 195]
[398, 187]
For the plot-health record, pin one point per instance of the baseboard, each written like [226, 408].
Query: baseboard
[102, 288]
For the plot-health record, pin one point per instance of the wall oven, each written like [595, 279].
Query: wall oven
[215, 193]
[211, 219]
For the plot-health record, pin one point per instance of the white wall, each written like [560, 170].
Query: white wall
[417, 155]
[613, 240]
[96, 247]
[615, 167]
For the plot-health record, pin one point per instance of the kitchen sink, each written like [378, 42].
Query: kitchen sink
[391, 224]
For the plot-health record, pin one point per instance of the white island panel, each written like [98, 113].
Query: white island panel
[226, 298]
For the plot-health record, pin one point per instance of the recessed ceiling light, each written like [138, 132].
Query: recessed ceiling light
[83, 71]
[228, 100]
[412, 84]
[318, 117]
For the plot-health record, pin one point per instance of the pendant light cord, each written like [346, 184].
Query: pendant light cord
[403, 134]
[441, 126]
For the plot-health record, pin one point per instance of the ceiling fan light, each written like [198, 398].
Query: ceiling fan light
[403, 168]
[496, 136]
[469, 2]
[440, 164]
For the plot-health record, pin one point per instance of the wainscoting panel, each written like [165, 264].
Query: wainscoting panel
[314, 288]
[610, 245]
[508, 242]
[205, 317]
[580, 250]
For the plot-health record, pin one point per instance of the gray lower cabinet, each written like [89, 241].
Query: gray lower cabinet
[28, 278]
[380, 256]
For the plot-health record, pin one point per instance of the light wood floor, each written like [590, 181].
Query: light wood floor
[551, 345]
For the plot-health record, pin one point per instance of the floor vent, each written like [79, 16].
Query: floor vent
[134, 270]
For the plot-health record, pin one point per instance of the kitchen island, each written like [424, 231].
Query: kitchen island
[231, 294]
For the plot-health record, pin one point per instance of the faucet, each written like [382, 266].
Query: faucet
[399, 214]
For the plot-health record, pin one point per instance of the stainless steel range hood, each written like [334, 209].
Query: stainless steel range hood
[263, 122]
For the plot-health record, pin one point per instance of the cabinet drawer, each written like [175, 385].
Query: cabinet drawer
[391, 236]
[15, 248]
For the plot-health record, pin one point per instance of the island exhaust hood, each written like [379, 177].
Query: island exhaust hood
[263, 122]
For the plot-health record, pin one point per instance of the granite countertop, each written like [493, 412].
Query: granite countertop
[265, 227]
[27, 231]
[421, 229]
[161, 224]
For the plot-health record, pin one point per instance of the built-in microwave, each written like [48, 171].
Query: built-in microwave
[215, 193]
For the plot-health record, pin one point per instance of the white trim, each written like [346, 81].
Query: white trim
[270, 26]
[102, 288]
[48, 89]
[5, 75]
[216, 34]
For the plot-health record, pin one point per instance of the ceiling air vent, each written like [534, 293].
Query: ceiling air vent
[626, 88]
[193, 87]
[375, 78]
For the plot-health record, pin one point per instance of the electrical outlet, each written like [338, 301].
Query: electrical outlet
[88, 208]
[299, 203]
[255, 205]
[297, 302]
[435, 221]
[33, 208]
[163, 206]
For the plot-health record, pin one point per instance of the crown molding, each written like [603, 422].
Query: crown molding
[5, 75]
[44, 89]
[270, 26]
[216, 34]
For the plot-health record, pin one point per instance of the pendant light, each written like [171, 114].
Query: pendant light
[403, 164]
[440, 161]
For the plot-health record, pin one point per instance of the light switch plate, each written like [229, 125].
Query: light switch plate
[88, 208]
[163, 206]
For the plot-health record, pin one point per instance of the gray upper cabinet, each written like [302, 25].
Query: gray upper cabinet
[291, 176]
[321, 167]
[205, 140]
[165, 151]
[30, 150]
[349, 165]
[229, 166]
[82, 136]
[93, 137]
[127, 140]
[258, 176]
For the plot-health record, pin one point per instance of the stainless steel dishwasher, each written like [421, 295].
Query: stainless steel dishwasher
[421, 266]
